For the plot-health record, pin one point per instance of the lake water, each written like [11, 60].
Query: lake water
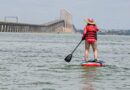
[34, 61]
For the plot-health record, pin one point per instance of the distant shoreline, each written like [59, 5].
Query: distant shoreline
[110, 32]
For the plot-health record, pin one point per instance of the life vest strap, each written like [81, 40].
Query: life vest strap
[91, 35]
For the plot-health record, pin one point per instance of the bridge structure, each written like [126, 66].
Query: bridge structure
[62, 25]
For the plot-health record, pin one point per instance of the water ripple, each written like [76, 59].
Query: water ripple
[36, 62]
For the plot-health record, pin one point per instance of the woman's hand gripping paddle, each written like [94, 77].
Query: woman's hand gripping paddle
[69, 57]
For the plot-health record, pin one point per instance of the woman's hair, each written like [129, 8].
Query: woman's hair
[91, 24]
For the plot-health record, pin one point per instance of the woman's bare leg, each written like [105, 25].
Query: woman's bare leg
[87, 46]
[94, 46]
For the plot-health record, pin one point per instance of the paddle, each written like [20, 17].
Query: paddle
[69, 57]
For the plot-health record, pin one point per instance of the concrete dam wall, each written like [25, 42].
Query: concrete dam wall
[61, 25]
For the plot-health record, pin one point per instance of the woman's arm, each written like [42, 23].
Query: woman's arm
[84, 33]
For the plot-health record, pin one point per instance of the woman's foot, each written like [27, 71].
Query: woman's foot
[95, 60]
[85, 60]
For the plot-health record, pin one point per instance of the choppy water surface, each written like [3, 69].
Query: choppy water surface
[33, 61]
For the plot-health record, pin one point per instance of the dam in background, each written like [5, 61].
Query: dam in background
[62, 25]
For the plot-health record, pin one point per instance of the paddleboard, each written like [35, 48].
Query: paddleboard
[93, 64]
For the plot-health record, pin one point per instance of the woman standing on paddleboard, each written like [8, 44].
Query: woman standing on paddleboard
[90, 37]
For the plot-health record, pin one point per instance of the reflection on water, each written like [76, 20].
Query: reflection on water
[88, 76]
[34, 61]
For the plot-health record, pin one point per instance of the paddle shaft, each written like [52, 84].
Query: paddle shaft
[76, 47]
[69, 57]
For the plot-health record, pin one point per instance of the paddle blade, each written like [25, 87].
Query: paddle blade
[68, 58]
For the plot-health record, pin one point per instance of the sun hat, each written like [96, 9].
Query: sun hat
[90, 21]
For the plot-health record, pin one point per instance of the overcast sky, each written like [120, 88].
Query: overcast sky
[108, 14]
